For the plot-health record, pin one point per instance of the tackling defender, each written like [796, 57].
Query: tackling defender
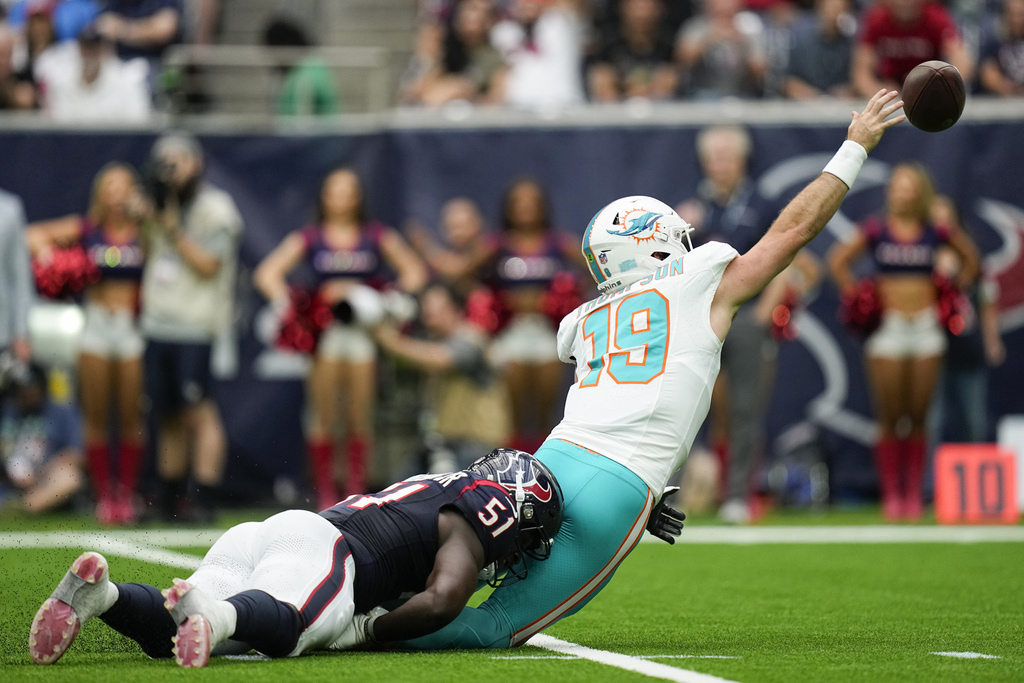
[301, 581]
[647, 353]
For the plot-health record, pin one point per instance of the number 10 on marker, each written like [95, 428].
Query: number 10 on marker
[975, 484]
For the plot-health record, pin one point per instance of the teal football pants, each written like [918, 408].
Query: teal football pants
[606, 507]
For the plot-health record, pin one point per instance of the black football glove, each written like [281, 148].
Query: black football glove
[665, 521]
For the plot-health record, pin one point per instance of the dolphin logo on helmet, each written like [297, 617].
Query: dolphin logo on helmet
[639, 226]
[631, 238]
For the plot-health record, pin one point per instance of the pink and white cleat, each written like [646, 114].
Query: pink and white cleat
[193, 643]
[203, 623]
[85, 592]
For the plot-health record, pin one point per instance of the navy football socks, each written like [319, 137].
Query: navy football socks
[265, 623]
[139, 613]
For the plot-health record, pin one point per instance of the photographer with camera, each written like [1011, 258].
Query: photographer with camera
[187, 300]
[467, 409]
[347, 251]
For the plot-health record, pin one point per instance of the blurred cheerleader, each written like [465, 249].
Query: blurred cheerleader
[110, 350]
[531, 262]
[344, 248]
[904, 355]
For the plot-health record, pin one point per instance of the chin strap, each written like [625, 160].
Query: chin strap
[520, 494]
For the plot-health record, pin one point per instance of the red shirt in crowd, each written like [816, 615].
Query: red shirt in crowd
[901, 47]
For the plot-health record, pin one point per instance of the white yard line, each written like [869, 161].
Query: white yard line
[137, 545]
[148, 553]
[620, 661]
[60, 539]
[535, 656]
[725, 535]
[687, 657]
[150, 545]
[966, 655]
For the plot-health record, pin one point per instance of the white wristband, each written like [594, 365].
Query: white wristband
[846, 164]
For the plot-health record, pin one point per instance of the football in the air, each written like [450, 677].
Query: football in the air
[933, 96]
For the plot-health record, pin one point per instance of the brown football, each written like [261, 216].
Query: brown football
[933, 96]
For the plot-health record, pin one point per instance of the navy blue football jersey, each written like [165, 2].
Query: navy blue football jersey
[393, 534]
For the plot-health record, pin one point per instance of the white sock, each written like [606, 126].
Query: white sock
[111, 594]
[221, 615]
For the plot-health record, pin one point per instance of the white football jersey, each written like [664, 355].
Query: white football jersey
[646, 361]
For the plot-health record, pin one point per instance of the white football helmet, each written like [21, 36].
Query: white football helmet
[630, 238]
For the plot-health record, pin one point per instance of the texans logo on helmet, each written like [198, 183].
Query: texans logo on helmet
[541, 493]
[637, 227]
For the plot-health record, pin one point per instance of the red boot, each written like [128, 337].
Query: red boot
[321, 461]
[97, 456]
[887, 461]
[914, 455]
[721, 450]
[357, 453]
[129, 462]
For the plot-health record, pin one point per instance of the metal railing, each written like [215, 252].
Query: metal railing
[247, 79]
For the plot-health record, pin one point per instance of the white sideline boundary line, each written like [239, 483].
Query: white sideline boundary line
[620, 661]
[724, 535]
[158, 537]
[132, 544]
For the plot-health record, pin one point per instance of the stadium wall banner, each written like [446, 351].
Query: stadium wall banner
[409, 173]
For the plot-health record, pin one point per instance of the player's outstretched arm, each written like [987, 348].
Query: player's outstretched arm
[452, 582]
[806, 215]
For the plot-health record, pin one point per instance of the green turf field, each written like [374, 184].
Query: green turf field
[794, 611]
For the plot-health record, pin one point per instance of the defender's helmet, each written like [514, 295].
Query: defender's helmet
[630, 238]
[536, 494]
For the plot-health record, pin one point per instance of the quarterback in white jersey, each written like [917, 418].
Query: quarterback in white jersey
[646, 361]
[647, 352]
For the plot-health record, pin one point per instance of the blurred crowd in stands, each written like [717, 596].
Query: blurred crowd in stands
[93, 60]
[557, 52]
[101, 60]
